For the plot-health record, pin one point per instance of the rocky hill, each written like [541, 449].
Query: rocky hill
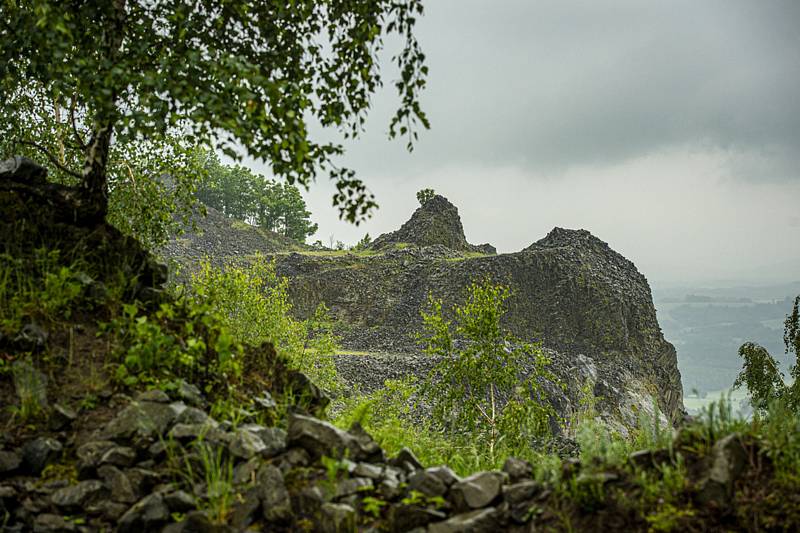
[435, 223]
[591, 308]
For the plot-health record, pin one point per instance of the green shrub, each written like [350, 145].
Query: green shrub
[185, 339]
[31, 388]
[388, 415]
[208, 465]
[42, 287]
[425, 195]
[253, 303]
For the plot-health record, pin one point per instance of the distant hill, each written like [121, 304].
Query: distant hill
[709, 325]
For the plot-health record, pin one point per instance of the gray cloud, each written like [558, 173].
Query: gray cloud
[553, 84]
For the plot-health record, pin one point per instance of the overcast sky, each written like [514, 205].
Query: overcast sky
[669, 129]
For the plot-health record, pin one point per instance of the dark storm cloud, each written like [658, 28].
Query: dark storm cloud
[547, 85]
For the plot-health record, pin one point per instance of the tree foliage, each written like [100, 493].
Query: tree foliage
[760, 372]
[150, 181]
[479, 385]
[229, 75]
[363, 244]
[239, 193]
[424, 195]
[253, 303]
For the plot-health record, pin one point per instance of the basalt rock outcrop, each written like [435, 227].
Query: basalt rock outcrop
[589, 306]
[38, 214]
[434, 223]
[214, 235]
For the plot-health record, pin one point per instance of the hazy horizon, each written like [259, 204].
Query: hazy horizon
[670, 131]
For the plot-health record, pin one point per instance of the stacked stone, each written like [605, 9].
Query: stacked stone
[127, 476]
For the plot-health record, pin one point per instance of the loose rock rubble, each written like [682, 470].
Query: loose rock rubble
[133, 474]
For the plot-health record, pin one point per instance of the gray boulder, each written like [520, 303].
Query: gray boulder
[407, 460]
[180, 501]
[368, 470]
[190, 394]
[153, 395]
[427, 482]
[193, 415]
[245, 509]
[445, 474]
[477, 490]
[9, 461]
[40, 452]
[148, 514]
[90, 454]
[79, 496]
[246, 444]
[479, 521]
[61, 417]
[353, 485]
[338, 518]
[53, 523]
[119, 456]
[520, 492]
[206, 431]
[320, 438]
[117, 482]
[274, 497]
[728, 461]
[517, 469]
[142, 419]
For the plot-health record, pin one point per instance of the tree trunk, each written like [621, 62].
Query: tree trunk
[95, 173]
[95, 177]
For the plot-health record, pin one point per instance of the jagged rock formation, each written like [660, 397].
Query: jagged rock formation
[98, 459]
[435, 223]
[589, 306]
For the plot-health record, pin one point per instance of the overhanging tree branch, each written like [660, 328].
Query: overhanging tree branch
[52, 159]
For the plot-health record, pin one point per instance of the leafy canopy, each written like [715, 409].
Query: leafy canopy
[424, 195]
[149, 181]
[239, 193]
[235, 76]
